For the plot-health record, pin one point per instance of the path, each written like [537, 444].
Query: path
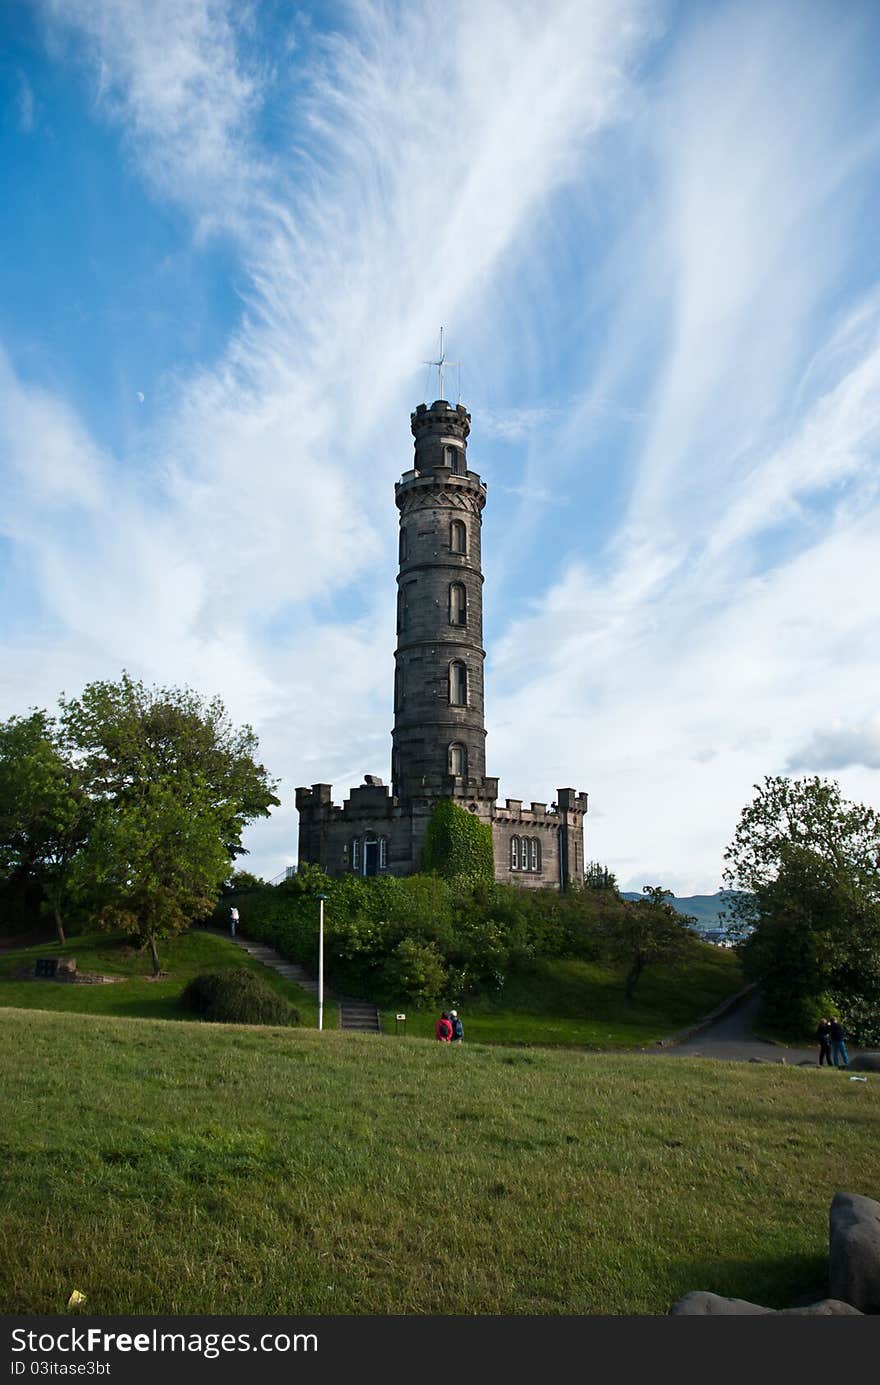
[357, 1015]
[731, 1037]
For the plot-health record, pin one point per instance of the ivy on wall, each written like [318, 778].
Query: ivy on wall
[457, 845]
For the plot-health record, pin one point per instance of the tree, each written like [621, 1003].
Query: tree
[646, 931]
[599, 877]
[172, 785]
[242, 882]
[808, 814]
[808, 863]
[43, 811]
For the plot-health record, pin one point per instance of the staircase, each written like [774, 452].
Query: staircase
[359, 1015]
[354, 1015]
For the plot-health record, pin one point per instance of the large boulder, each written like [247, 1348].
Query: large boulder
[702, 1304]
[699, 1303]
[865, 1062]
[825, 1308]
[854, 1250]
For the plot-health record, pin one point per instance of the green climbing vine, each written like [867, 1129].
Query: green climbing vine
[457, 845]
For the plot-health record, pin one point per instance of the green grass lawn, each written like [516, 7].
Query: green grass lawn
[194, 1168]
[139, 996]
[581, 1004]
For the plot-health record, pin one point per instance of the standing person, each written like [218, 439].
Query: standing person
[444, 1029]
[458, 1027]
[233, 920]
[838, 1046]
[823, 1034]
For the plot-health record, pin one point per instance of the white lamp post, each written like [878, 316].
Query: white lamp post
[320, 898]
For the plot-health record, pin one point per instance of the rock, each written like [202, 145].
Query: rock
[865, 1062]
[854, 1249]
[825, 1308]
[699, 1303]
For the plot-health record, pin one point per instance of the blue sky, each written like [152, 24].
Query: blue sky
[230, 235]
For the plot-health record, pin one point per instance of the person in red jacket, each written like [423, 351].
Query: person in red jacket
[444, 1029]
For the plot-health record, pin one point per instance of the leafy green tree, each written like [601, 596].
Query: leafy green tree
[807, 814]
[644, 932]
[172, 785]
[43, 811]
[415, 972]
[241, 881]
[808, 864]
[599, 877]
[816, 946]
[457, 845]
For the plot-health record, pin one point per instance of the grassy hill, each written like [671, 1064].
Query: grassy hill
[236, 1170]
[138, 995]
[554, 1001]
[570, 1002]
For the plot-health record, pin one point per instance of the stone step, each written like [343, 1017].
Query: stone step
[356, 1015]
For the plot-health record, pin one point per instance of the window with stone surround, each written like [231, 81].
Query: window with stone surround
[514, 853]
[458, 760]
[356, 854]
[458, 690]
[402, 545]
[535, 854]
[457, 604]
[458, 536]
[454, 458]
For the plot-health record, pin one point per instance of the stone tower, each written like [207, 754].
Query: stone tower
[439, 734]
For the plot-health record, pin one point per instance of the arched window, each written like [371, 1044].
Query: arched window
[403, 604]
[458, 760]
[458, 683]
[457, 604]
[402, 545]
[514, 853]
[454, 458]
[458, 536]
[536, 854]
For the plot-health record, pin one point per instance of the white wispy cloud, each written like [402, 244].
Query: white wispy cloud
[727, 613]
[173, 74]
[732, 605]
[266, 489]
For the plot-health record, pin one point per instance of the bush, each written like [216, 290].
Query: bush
[415, 972]
[234, 995]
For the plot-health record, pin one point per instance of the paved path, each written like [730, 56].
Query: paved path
[357, 1015]
[731, 1037]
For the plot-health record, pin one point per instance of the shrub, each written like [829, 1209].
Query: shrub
[234, 995]
[415, 972]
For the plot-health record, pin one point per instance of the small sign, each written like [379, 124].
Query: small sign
[400, 1017]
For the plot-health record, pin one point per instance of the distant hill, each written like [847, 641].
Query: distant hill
[705, 908]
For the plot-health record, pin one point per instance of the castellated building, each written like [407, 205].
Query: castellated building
[439, 736]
